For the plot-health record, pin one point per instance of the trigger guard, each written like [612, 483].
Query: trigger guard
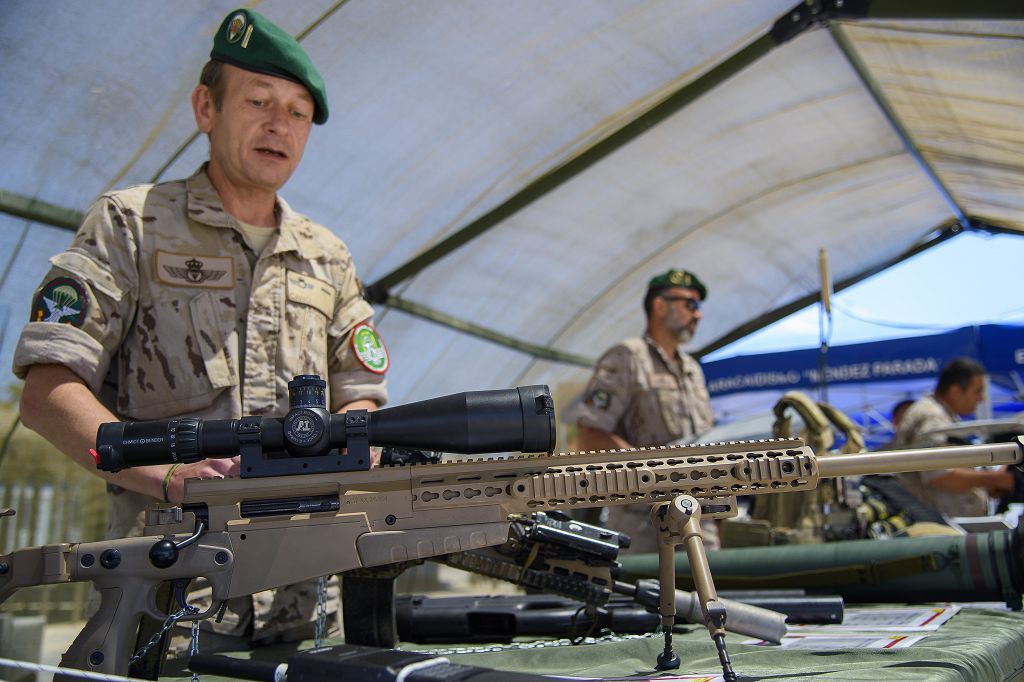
[179, 596]
[215, 606]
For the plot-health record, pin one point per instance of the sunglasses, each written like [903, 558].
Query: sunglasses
[691, 303]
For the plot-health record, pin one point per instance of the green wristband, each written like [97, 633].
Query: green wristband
[167, 479]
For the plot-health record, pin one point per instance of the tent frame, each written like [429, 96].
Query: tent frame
[802, 17]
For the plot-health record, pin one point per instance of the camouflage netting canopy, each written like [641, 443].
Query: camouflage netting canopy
[508, 175]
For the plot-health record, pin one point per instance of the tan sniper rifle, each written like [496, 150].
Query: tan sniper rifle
[303, 508]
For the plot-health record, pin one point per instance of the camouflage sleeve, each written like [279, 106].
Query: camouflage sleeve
[704, 417]
[80, 312]
[924, 415]
[610, 390]
[929, 422]
[357, 358]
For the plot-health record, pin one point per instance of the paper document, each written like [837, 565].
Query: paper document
[887, 620]
[827, 642]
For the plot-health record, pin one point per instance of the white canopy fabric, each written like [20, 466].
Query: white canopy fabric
[865, 136]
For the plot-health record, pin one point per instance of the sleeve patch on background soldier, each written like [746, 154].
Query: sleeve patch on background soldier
[61, 300]
[599, 399]
[183, 270]
[312, 292]
[369, 349]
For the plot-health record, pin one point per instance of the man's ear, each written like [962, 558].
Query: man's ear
[658, 307]
[202, 108]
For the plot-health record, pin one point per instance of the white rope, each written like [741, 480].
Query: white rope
[417, 666]
[71, 672]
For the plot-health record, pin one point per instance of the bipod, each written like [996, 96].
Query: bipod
[678, 523]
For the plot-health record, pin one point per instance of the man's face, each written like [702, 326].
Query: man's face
[258, 135]
[680, 320]
[965, 401]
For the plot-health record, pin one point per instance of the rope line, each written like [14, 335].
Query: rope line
[70, 672]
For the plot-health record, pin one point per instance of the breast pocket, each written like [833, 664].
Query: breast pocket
[181, 359]
[670, 406]
[303, 348]
[310, 301]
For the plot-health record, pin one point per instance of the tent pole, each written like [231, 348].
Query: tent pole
[739, 332]
[945, 9]
[39, 211]
[846, 47]
[379, 290]
[437, 317]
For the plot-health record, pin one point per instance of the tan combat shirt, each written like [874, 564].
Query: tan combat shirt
[639, 393]
[174, 314]
[925, 415]
[178, 323]
[171, 297]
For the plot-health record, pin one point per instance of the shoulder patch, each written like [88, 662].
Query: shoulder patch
[62, 300]
[599, 399]
[369, 348]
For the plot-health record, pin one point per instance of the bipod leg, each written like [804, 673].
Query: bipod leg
[678, 522]
[667, 659]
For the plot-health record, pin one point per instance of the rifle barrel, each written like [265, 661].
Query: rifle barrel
[922, 459]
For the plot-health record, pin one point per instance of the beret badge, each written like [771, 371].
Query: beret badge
[235, 27]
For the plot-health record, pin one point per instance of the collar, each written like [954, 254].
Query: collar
[661, 354]
[296, 230]
[945, 407]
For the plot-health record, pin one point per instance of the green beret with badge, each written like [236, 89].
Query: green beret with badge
[679, 278]
[250, 41]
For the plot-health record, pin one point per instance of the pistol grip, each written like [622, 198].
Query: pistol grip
[106, 643]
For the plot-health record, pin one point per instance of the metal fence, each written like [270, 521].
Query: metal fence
[55, 501]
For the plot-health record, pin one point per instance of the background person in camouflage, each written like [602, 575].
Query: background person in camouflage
[204, 297]
[646, 391]
[954, 492]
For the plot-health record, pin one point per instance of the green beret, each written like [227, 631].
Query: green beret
[250, 41]
[679, 278]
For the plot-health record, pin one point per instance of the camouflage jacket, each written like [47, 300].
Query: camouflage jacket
[156, 302]
[642, 395]
[163, 308]
[928, 414]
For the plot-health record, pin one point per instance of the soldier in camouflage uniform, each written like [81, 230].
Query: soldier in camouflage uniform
[647, 391]
[203, 297]
[954, 492]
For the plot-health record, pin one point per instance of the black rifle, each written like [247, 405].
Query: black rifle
[354, 664]
[546, 552]
[501, 618]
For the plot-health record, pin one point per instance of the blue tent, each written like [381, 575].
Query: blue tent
[866, 379]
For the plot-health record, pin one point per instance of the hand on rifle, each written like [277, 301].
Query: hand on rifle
[175, 475]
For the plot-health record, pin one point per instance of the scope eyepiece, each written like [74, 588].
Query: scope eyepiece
[121, 445]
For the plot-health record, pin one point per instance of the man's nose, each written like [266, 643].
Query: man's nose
[277, 118]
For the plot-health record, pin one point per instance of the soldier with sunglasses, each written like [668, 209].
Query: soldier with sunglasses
[646, 391]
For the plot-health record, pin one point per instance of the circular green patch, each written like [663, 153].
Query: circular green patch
[369, 348]
[61, 300]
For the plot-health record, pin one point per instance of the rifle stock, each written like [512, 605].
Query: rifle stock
[400, 513]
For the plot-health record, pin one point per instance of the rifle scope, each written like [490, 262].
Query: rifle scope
[476, 422]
